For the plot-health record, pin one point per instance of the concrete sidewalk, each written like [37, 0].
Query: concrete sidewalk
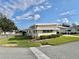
[71, 35]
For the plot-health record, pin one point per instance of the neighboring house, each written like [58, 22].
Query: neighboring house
[22, 32]
[69, 30]
[9, 33]
[43, 29]
[0, 30]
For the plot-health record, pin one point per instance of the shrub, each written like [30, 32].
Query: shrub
[11, 42]
[44, 43]
[29, 37]
[49, 36]
[44, 37]
[20, 37]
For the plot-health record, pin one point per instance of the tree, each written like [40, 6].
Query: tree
[6, 24]
[74, 25]
[65, 25]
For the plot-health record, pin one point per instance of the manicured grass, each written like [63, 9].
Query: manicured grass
[59, 40]
[27, 43]
[24, 42]
[21, 41]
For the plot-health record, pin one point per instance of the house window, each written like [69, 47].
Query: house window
[69, 30]
[78, 30]
[35, 31]
[44, 31]
[47, 31]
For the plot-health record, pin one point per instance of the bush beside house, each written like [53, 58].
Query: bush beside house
[49, 36]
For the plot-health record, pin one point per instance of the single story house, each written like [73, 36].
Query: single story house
[43, 29]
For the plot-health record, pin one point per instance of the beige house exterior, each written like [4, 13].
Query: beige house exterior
[43, 29]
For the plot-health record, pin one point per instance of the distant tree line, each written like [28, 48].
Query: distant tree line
[68, 25]
[7, 24]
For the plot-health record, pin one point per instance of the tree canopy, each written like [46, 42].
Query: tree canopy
[66, 25]
[7, 24]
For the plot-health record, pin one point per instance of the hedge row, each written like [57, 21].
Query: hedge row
[44, 36]
[49, 36]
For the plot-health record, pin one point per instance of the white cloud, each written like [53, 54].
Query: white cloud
[42, 6]
[37, 2]
[70, 12]
[29, 16]
[65, 20]
[7, 11]
[39, 8]
[24, 4]
[49, 6]
[19, 18]
[12, 6]
[58, 20]
[1, 10]
[26, 15]
[9, 7]
[36, 16]
[65, 13]
[36, 9]
[77, 23]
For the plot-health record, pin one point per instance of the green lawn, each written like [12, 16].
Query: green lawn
[59, 40]
[24, 42]
[20, 41]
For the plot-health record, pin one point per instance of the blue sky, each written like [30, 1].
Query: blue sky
[27, 12]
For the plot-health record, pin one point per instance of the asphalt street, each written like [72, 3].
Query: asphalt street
[16, 53]
[65, 51]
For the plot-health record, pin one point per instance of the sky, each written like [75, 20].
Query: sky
[28, 12]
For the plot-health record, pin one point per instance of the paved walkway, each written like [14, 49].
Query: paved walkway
[71, 35]
[38, 53]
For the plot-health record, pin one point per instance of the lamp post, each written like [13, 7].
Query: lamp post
[35, 18]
